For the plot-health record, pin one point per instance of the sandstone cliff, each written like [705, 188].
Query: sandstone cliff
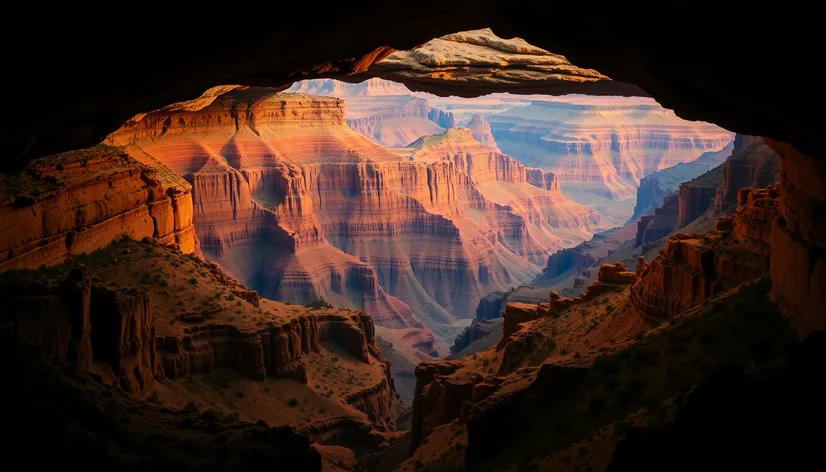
[752, 164]
[383, 111]
[480, 129]
[603, 145]
[174, 329]
[80, 201]
[692, 268]
[437, 224]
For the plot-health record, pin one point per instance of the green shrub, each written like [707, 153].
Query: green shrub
[231, 417]
[192, 407]
[418, 464]
[292, 402]
[317, 303]
[239, 394]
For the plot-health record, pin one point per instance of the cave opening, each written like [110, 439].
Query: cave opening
[675, 316]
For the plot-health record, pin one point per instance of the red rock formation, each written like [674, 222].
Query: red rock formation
[651, 228]
[615, 274]
[59, 320]
[439, 224]
[567, 259]
[517, 313]
[752, 164]
[798, 239]
[435, 404]
[77, 202]
[693, 268]
[480, 129]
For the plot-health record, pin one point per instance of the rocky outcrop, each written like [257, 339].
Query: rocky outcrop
[59, 320]
[567, 259]
[480, 129]
[693, 268]
[444, 119]
[798, 239]
[752, 164]
[656, 186]
[491, 305]
[77, 202]
[603, 145]
[542, 179]
[339, 217]
[385, 112]
[696, 196]
[517, 313]
[479, 328]
[495, 60]
[393, 121]
[436, 400]
[654, 227]
[275, 350]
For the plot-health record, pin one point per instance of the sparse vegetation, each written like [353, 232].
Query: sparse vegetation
[192, 407]
[317, 303]
[292, 402]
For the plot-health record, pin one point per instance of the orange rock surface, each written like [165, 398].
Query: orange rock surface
[80, 201]
[296, 204]
[693, 268]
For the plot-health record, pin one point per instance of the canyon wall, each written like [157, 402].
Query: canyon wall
[752, 164]
[693, 268]
[291, 200]
[602, 144]
[654, 187]
[80, 201]
[385, 112]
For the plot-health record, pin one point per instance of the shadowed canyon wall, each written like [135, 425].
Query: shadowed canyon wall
[296, 204]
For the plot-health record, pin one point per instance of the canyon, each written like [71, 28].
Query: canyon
[602, 145]
[297, 205]
[622, 378]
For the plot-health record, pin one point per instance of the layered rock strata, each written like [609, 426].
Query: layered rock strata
[495, 62]
[59, 320]
[654, 187]
[798, 239]
[693, 268]
[480, 130]
[383, 111]
[602, 145]
[437, 224]
[80, 201]
[752, 164]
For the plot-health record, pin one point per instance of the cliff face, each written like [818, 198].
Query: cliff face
[605, 145]
[392, 121]
[77, 202]
[749, 165]
[142, 341]
[752, 164]
[654, 187]
[480, 129]
[383, 111]
[437, 224]
[693, 268]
